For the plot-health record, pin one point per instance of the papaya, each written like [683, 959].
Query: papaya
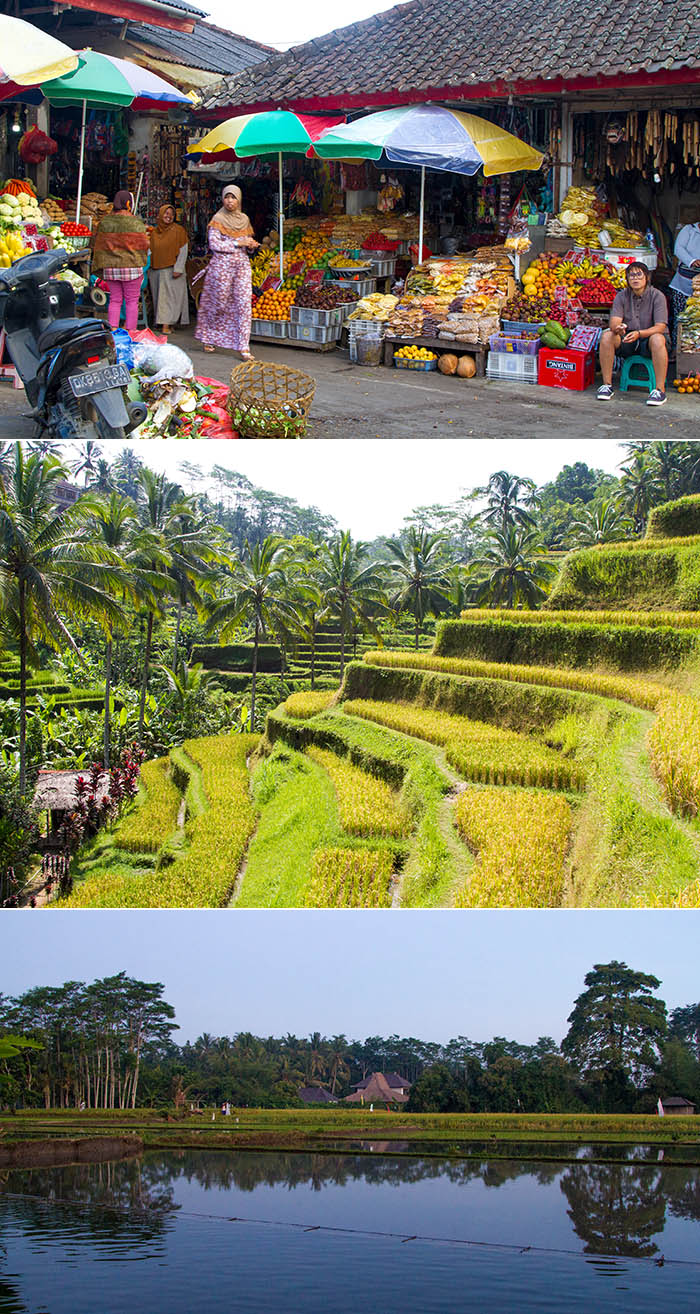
[556, 330]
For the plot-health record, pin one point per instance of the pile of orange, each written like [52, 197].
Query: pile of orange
[542, 277]
[691, 383]
[274, 305]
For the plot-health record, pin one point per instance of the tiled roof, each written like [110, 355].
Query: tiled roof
[207, 47]
[427, 45]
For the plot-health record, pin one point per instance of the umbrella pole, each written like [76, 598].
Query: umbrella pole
[422, 215]
[281, 216]
[80, 165]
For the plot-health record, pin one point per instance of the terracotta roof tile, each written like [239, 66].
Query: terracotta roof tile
[427, 44]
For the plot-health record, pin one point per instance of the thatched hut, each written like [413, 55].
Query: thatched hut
[55, 794]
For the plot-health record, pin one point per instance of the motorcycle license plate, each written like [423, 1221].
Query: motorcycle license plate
[91, 381]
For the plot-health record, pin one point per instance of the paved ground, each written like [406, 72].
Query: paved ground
[359, 402]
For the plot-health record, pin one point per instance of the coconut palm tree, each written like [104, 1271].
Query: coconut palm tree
[50, 571]
[115, 524]
[422, 576]
[352, 589]
[262, 598]
[514, 569]
[639, 488]
[600, 522]
[509, 498]
[182, 545]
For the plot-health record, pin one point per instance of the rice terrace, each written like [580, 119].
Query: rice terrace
[541, 751]
[401, 787]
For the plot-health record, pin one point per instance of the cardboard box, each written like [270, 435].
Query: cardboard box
[561, 368]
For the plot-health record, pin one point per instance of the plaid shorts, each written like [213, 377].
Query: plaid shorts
[122, 275]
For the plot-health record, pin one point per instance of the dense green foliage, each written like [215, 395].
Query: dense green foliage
[619, 1054]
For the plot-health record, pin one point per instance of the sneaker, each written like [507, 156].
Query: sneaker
[656, 397]
[605, 392]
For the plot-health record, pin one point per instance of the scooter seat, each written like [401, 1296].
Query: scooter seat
[62, 330]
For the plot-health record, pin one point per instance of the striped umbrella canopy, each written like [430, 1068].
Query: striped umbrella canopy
[431, 137]
[29, 56]
[104, 80]
[268, 132]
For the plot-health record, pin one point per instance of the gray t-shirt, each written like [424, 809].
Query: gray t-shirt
[640, 312]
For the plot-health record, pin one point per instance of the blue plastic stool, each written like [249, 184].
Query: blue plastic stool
[629, 380]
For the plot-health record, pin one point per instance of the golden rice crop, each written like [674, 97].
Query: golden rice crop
[204, 876]
[147, 827]
[629, 689]
[478, 750]
[521, 840]
[674, 750]
[367, 805]
[677, 620]
[350, 878]
[308, 703]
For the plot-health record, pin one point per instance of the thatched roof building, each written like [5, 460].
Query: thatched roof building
[56, 790]
[376, 1089]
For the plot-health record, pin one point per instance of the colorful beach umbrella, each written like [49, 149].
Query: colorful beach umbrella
[430, 137]
[29, 56]
[107, 81]
[269, 132]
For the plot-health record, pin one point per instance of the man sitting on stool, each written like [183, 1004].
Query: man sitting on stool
[638, 327]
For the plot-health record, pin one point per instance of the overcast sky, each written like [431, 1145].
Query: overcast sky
[281, 24]
[432, 975]
[370, 487]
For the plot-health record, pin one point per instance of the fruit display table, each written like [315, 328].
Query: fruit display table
[440, 345]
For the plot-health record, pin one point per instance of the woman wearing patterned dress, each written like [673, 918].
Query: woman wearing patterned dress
[224, 314]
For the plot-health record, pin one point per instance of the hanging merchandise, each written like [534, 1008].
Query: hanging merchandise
[303, 194]
[35, 146]
[120, 137]
[390, 195]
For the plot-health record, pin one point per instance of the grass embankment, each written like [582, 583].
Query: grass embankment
[403, 764]
[201, 872]
[333, 1129]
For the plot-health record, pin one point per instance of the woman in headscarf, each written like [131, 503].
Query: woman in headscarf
[168, 259]
[223, 318]
[120, 253]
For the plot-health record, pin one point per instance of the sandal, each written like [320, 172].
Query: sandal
[246, 356]
[208, 348]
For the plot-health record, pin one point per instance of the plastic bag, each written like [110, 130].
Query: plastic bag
[162, 362]
[125, 348]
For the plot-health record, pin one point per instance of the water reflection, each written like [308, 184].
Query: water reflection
[614, 1209]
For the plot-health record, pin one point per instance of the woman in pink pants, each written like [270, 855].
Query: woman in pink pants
[120, 254]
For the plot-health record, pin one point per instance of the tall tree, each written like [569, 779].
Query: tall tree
[50, 570]
[261, 599]
[352, 587]
[616, 1027]
[510, 501]
[511, 569]
[420, 575]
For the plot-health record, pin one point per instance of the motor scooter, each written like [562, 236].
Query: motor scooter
[68, 365]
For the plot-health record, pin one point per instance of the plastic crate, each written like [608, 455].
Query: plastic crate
[403, 363]
[318, 318]
[510, 326]
[620, 256]
[363, 286]
[314, 332]
[514, 346]
[573, 370]
[384, 268]
[517, 369]
[269, 328]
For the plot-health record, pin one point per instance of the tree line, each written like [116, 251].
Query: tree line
[110, 1045]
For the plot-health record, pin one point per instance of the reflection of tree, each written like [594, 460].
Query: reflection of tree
[683, 1192]
[134, 1195]
[616, 1209]
[10, 1299]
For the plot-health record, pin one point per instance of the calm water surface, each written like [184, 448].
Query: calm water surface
[180, 1233]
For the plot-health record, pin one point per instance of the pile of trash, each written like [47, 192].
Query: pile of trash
[180, 405]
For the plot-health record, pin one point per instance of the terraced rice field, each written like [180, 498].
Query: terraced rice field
[498, 770]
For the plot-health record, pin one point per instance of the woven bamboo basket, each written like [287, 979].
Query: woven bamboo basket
[267, 400]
